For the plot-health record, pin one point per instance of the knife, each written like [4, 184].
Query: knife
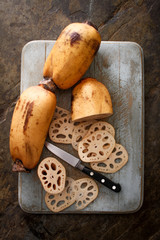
[76, 162]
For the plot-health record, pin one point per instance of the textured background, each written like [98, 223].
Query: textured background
[26, 20]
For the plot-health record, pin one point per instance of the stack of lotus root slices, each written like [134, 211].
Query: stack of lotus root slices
[94, 140]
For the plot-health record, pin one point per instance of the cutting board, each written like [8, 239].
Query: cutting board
[118, 65]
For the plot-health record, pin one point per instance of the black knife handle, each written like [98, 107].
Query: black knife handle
[115, 187]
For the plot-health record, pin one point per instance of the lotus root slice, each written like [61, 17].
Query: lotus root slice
[96, 147]
[86, 191]
[60, 130]
[61, 201]
[60, 112]
[79, 132]
[117, 159]
[101, 125]
[52, 175]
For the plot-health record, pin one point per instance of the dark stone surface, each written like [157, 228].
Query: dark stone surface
[26, 20]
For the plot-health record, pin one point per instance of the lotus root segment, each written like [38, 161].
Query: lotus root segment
[90, 100]
[86, 191]
[60, 130]
[96, 147]
[60, 112]
[30, 123]
[72, 54]
[60, 201]
[52, 175]
[117, 159]
[101, 125]
[79, 132]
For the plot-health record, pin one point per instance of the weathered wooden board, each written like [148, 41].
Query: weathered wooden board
[119, 65]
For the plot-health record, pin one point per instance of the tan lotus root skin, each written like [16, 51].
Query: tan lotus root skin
[117, 159]
[52, 175]
[60, 201]
[96, 147]
[86, 191]
[60, 130]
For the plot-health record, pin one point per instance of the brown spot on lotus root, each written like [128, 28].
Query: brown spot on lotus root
[29, 109]
[75, 38]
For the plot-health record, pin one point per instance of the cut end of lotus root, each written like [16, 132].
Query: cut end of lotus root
[52, 175]
[91, 100]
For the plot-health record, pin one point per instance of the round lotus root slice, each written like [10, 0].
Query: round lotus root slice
[60, 130]
[79, 132]
[52, 175]
[117, 159]
[60, 112]
[86, 191]
[101, 125]
[60, 201]
[96, 147]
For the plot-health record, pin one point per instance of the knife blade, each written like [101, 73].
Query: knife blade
[76, 162]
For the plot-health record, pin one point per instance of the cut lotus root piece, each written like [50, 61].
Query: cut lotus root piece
[52, 175]
[79, 132]
[117, 159]
[60, 201]
[86, 190]
[101, 125]
[60, 112]
[60, 130]
[96, 147]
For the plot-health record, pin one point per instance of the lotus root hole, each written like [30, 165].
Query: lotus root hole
[59, 171]
[53, 202]
[60, 203]
[85, 150]
[59, 181]
[79, 203]
[88, 140]
[51, 196]
[44, 178]
[101, 164]
[44, 172]
[118, 160]
[61, 136]
[70, 136]
[106, 145]
[54, 186]
[45, 182]
[98, 136]
[57, 125]
[119, 153]
[53, 166]
[85, 145]
[87, 199]
[46, 166]
[101, 153]
[90, 194]
[55, 131]
[104, 128]
[90, 188]
[79, 138]
[105, 138]
[111, 165]
[114, 150]
[49, 185]
[92, 154]
[84, 185]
